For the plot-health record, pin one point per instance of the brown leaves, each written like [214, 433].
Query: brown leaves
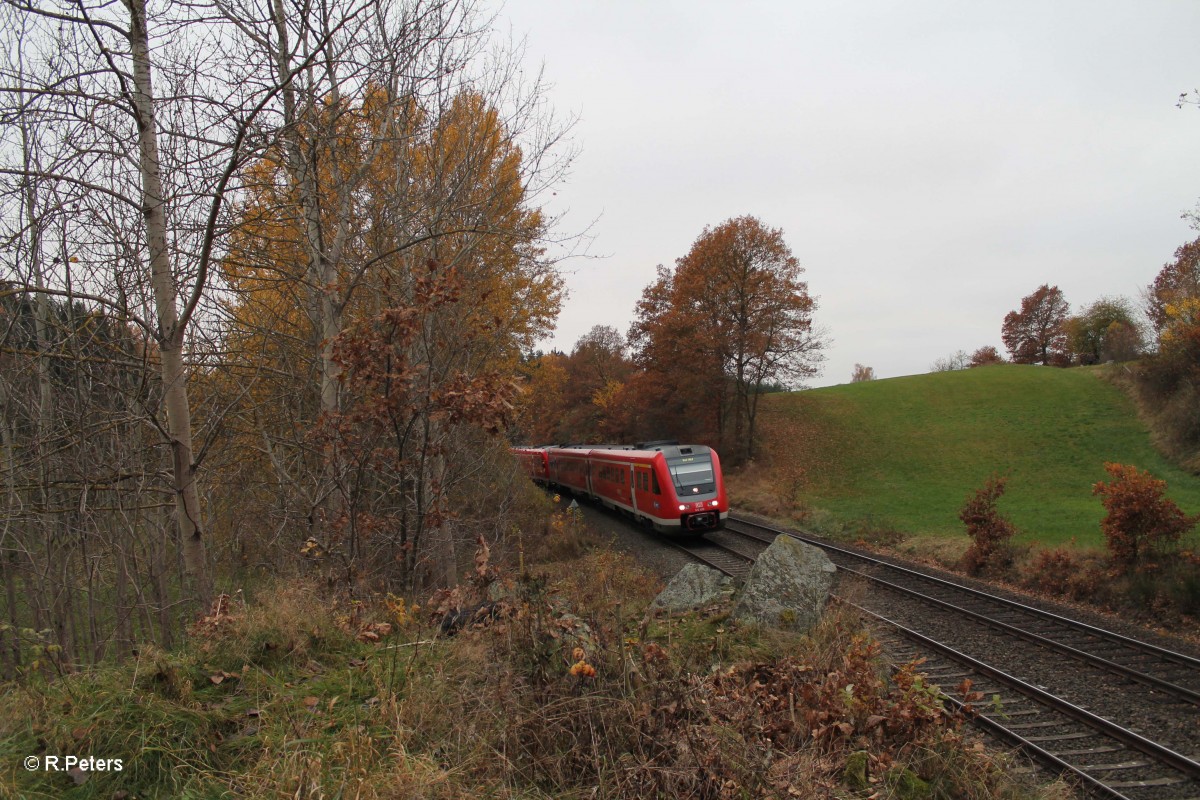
[736, 311]
[988, 529]
[373, 632]
[217, 678]
[1140, 517]
[219, 618]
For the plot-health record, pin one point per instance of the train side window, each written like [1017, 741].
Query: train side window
[654, 483]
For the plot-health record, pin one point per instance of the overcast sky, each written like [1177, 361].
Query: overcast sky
[930, 163]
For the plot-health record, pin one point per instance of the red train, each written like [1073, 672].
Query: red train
[671, 486]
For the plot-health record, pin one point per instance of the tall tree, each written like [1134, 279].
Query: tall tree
[1177, 282]
[441, 192]
[1106, 330]
[140, 179]
[736, 311]
[1035, 334]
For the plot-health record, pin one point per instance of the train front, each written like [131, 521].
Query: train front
[695, 473]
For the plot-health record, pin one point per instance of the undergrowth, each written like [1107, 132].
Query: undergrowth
[555, 681]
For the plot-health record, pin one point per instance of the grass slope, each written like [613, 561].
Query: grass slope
[906, 452]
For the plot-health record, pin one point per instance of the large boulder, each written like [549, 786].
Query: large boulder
[694, 586]
[787, 587]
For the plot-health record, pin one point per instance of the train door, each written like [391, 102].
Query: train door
[633, 487]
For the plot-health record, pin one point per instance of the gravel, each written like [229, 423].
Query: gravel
[1130, 704]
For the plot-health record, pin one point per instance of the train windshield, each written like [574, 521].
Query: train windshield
[692, 474]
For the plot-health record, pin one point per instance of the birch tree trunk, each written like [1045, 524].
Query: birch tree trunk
[171, 333]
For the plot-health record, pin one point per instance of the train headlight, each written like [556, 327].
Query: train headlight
[683, 508]
[716, 503]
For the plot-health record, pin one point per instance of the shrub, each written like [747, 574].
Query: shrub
[1079, 575]
[1140, 520]
[1051, 571]
[989, 531]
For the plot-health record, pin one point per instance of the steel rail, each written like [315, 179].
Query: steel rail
[1136, 644]
[1091, 783]
[1101, 726]
[1082, 655]
[707, 561]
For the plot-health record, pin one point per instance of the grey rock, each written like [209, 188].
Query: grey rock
[694, 586]
[787, 587]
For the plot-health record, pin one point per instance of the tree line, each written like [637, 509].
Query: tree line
[730, 322]
[268, 272]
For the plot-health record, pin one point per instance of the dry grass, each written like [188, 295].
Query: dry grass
[568, 690]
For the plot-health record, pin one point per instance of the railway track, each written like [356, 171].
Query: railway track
[1097, 748]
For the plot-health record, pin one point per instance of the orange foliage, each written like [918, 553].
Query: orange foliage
[733, 316]
[398, 189]
[989, 531]
[1140, 520]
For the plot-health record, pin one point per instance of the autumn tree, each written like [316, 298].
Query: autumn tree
[598, 371]
[1176, 284]
[862, 373]
[951, 363]
[1167, 380]
[733, 316]
[1035, 334]
[1106, 330]
[541, 402]
[441, 190]
[990, 531]
[986, 355]
[134, 128]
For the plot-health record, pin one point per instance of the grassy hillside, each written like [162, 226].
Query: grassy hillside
[906, 452]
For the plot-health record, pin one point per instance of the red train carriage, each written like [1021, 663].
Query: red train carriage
[670, 486]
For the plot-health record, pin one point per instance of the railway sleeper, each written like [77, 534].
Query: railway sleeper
[1028, 726]
[1146, 784]
[1088, 751]
[1114, 767]
[1063, 737]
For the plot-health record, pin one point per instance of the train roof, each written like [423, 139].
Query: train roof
[669, 449]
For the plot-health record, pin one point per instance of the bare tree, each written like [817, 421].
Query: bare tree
[141, 224]
[862, 374]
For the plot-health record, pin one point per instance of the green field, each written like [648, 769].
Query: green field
[906, 452]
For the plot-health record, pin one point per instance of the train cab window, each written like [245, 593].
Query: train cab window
[692, 474]
[654, 483]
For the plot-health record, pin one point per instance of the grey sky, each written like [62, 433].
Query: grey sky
[930, 163]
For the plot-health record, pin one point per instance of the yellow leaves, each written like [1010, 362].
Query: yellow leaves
[605, 397]
[404, 614]
[1181, 315]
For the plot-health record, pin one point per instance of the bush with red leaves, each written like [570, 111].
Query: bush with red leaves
[989, 531]
[1140, 520]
